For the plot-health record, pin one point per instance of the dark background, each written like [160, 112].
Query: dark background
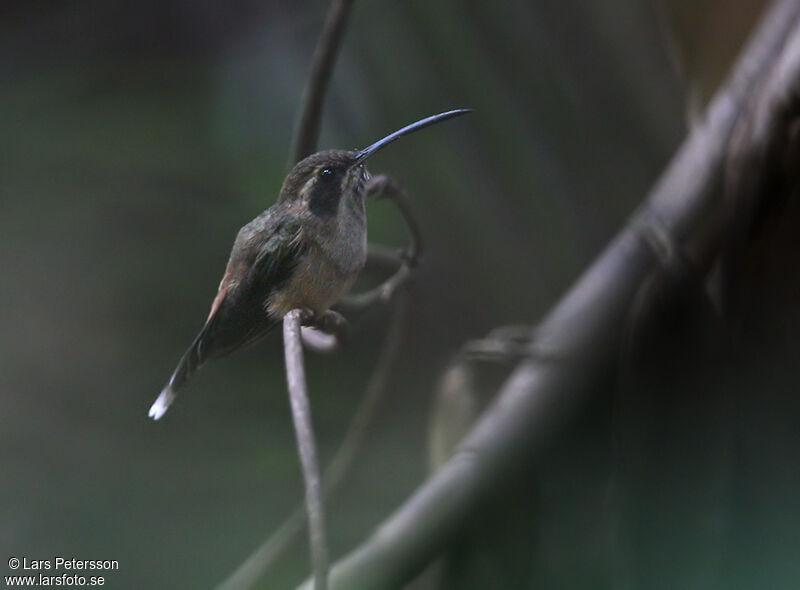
[136, 139]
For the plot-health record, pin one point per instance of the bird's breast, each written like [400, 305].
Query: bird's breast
[316, 284]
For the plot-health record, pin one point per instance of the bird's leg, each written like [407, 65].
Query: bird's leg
[306, 315]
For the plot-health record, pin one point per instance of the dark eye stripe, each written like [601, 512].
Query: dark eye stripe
[326, 193]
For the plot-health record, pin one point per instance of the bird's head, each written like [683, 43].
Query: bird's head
[325, 180]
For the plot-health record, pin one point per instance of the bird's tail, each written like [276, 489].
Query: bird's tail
[163, 401]
[191, 360]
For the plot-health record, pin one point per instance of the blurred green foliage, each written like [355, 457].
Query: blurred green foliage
[137, 139]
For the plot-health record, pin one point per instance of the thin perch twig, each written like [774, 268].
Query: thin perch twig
[685, 212]
[301, 415]
[307, 130]
[304, 141]
[318, 340]
[341, 466]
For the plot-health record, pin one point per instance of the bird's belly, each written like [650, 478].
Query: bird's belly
[316, 284]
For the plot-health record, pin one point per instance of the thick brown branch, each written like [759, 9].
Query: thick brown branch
[683, 213]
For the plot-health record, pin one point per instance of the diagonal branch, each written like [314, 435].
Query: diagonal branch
[684, 213]
[307, 130]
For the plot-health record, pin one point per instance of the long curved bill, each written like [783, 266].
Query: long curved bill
[370, 151]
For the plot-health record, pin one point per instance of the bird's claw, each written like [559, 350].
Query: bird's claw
[332, 322]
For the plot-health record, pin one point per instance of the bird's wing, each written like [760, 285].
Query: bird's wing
[277, 256]
[238, 315]
[263, 257]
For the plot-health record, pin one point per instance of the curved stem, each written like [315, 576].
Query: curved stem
[384, 187]
[307, 129]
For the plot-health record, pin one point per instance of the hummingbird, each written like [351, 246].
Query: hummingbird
[305, 251]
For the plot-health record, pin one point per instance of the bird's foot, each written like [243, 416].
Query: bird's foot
[325, 332]
[332, 322]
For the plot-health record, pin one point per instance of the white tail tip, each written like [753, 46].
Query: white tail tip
[161, 404]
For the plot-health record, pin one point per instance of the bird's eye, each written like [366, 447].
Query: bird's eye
[327, 173]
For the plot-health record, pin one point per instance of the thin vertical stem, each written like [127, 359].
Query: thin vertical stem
[301, 415]
[341, 466]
